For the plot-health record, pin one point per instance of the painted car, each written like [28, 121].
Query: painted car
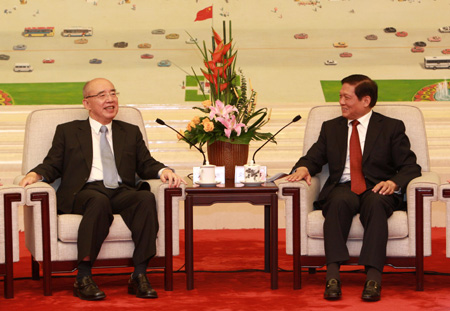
[434, 39]
[340, 45]
[147, 56]
[20, 47]
[346, 54]
[4, 57]
[191, 41]
[444, 29]
[144, 46]
[401, 34]
[164, 63]
[95, 61]
[81, 41]
[48, 60]
[158, 31]
[172, 36]
[121, 44]
[301, 35]
[390, 29]
[420, 43]
[330, 62]
[371, 37]
[417, 49]
[446, 51]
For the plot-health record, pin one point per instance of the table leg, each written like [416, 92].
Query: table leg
[274, 242]
[266, 238]
[189, 247]
[168, 236]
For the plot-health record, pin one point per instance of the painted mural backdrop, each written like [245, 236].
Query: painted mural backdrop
[292, 50]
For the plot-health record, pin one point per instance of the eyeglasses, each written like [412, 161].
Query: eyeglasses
[102, 95]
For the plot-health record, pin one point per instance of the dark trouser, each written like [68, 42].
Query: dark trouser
[374, 209]
[97, 204]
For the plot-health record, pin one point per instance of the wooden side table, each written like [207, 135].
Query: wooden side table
[265, 195]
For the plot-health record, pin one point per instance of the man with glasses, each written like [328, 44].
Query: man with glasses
[97, 160]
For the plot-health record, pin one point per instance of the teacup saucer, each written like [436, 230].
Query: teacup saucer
[207, 184]
[253, 183]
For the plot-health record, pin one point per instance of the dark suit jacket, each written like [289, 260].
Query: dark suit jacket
[70, 158]
[387, 154]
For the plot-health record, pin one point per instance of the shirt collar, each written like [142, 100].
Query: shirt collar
[364, 120]
[95, 125]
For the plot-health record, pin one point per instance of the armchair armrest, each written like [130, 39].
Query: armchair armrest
[421, 191]
[158, 188]
[428, 180]
[444, 188]
[444, 196]
[11, 197]
[40, 219]
[308, 194]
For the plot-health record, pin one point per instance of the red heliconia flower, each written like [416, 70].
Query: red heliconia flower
[223, 86]
[228, 61]
[220, 71]
[217, 38]
[226, 48]
[220, 51]
[211, 78]
[217, 55]
[210, 65]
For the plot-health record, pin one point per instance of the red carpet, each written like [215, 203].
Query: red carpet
[240, 251]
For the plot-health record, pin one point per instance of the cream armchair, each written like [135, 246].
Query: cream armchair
[444, 196]
[51, 238]
[409, 232]
[10, 198]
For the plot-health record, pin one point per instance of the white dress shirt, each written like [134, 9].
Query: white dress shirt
[97, 167]
[362, 131]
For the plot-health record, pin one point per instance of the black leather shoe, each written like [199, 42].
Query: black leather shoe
[372, 291]
[86, 289]
[140, 286]
[332, 290]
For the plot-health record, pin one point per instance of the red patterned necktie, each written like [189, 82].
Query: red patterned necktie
[357, 178]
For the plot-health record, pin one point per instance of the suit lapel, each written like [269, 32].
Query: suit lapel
[342, 139]
[373, 130]
[85, 139]
[118, 142]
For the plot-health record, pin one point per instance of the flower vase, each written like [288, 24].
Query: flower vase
[226, 154]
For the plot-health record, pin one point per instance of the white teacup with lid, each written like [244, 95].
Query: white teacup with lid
[207, 174]
[252, 173]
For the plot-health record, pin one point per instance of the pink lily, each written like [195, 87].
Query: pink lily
[221, 110]
[230, 125]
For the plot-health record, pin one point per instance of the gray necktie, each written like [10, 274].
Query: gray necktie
[110, 175]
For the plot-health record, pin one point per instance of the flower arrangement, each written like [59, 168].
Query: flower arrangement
[229, 114]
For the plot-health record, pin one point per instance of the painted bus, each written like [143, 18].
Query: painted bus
[77, 32]
[437, 62]
[22, 67]
[39, 32]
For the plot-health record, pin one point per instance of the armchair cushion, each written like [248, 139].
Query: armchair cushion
[397, 223]
[68, 229]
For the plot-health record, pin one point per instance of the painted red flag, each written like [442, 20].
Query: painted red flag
[204, 14]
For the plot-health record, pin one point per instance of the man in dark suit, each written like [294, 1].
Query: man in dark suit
[370, 168]
[98, 180]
